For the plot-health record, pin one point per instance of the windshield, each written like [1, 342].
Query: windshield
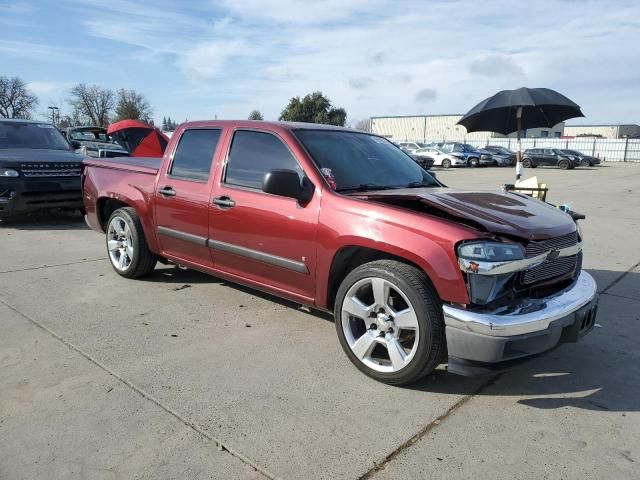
[358, 161]
[31, 135]
[499, 150]
[570, 152]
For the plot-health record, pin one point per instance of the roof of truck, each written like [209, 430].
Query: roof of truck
[286, 125]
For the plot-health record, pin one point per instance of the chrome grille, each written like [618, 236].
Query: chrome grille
[47, 170]
[553, 268]
[536, 248]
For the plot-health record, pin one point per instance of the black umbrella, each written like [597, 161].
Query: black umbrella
[512, 110]
[539, 107]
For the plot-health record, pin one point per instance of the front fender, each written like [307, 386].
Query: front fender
[426, 241]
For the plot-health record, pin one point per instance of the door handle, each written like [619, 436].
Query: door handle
[224, 202]
[167, 191]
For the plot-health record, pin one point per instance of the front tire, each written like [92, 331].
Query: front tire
[563, 164]
[127, 246]
[446, 163]
[474, 162]
[389, 322]
[527, 163]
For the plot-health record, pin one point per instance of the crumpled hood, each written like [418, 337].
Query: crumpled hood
[19, 155]
[495, 212]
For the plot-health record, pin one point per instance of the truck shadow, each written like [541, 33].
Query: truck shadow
[597, 373]
[47, 220]
[176, 275]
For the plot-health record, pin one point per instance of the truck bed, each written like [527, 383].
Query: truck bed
[148, 165]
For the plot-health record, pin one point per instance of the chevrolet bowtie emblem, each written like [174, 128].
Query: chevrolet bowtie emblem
[553, 254]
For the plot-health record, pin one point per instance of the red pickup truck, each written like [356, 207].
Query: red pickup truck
[416, 274]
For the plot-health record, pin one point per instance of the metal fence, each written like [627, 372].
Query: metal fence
[622, 150]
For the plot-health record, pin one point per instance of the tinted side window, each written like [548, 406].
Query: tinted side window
[255, 153]
[194, 154]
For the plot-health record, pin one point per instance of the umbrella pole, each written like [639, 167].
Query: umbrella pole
[519, 145]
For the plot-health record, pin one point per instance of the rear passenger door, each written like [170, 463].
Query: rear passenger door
[549, 157]
[182, 197]
[266, 239]
[535, 155]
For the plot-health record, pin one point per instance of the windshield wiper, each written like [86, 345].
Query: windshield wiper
[419, 185]
[365, 187]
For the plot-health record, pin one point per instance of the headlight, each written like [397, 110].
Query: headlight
[490, 251]
[8, 172]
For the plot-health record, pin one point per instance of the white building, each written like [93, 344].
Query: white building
[424, 128]
[603, 131]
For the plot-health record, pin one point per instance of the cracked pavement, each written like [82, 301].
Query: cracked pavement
[108, 378]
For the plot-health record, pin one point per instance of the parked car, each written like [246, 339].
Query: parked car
[441, 159]
[469, 153]
[410, 146]
[425, 161]
[585, 160]
[38, 169]
[92, 140]
[503, 157]
[341, 221]
[535, 157]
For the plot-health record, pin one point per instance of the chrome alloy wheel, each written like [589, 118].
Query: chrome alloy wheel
[119, 243]
[380, 325]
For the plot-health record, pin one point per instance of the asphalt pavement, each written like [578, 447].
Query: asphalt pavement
[183, 375]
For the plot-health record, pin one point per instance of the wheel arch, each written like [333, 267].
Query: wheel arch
[350, 257]
[105, 206]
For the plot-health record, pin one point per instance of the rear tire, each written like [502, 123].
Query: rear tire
[389, 321]
[474, 162]
[127, 246]
[446, 163]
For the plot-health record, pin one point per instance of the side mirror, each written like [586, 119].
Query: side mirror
[75, 144]
[286, 183]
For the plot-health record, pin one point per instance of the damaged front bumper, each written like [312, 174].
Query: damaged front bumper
[488, 341]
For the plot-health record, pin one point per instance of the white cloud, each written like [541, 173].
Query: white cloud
[426, 95]
[49, 88]
[495, 66]
[370, 56]
[208, 60]
[298, 12]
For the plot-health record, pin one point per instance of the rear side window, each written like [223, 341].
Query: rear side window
[255, 153]
[192, 159]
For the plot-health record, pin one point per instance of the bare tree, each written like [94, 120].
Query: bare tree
[16, 101]
[132, 105]
[256, 115]
[92, 103]
[364, 125]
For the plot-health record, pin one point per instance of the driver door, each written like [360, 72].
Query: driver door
[266, 239]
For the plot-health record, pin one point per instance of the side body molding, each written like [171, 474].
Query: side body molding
[257, 255]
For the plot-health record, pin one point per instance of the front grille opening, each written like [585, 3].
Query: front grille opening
[556, 268]
[588, 320]
[48, 170]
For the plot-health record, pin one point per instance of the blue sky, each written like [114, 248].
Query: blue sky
[223, 58]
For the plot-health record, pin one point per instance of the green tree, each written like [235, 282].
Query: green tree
[132, 105]
[313, 108]
[16, 101]
[256, 115]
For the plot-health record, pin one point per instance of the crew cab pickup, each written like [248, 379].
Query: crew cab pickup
[415, 273]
